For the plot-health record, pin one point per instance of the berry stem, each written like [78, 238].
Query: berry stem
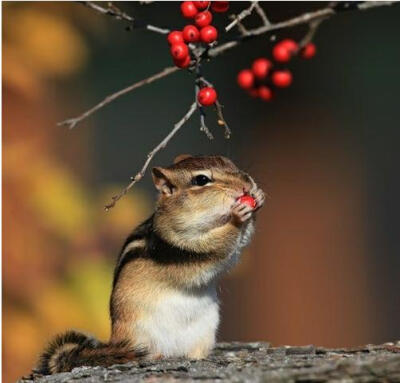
[203, 126]
[312, 30]
[218, 109]
[221, 120]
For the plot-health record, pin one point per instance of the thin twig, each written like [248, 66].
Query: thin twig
[115, 12]
[72, 122]
[312, 29]
[203, 126]
[153, 28]
[362, 6]
[242, 29]
[221, 120]
[298, 20]
[218, 108]
[246, 12]
[262, 14]
[112, 11]
[150, 156]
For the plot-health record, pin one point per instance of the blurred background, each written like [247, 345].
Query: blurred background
[324, 264]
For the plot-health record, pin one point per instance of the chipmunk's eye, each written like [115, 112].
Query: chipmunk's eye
[200, 180]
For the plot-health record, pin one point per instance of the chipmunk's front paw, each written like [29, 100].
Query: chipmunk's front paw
[241, 212]
[259, 196]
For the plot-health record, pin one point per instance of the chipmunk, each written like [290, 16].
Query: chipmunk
[164, 301]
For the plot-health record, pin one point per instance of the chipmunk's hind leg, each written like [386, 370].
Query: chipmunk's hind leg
[73, 349]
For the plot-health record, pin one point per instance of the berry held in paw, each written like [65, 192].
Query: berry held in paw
[248, 200]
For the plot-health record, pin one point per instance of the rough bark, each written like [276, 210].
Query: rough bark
[254, 362]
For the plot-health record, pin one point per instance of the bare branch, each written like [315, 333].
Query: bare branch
[262, 14]
[203, 126]
[153, 28]
[298, 20]
[72, 122]
[218, 108]
[313, 27]
[221, 120]
[246, 12]
[150, 156]
[242, 29]
[112, 11]
[372, 4]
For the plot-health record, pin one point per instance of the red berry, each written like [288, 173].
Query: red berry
[245, 78]
[203, 19]
[175, 37]
[265, 93]
[281, 53]
[220, 6]
[179, 51]
[184, 63]
[191, 34]
[201, 4]
[282, 78]
[308, 51]
[261, 67]
[188, 9]
[207, 96]
[208, 34]
[289, 44]
[248, 200]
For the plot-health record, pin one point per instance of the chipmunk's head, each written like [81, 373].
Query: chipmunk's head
[196, 196]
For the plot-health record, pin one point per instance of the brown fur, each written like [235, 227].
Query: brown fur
[74, 349]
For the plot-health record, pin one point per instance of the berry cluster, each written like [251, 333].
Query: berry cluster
[200, 33]
[265, 74]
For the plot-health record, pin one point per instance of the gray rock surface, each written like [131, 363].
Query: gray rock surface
[253, 362]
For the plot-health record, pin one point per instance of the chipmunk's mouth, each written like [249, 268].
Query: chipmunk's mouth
[242, 194]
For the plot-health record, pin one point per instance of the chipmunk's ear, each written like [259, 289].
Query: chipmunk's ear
[162, 181]
[181, 158]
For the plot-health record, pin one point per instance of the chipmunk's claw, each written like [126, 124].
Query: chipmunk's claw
[259, 196]
[241, 212]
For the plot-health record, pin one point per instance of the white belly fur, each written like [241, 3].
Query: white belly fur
[179, 322]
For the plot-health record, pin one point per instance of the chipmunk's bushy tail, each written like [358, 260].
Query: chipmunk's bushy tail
[73, 349]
